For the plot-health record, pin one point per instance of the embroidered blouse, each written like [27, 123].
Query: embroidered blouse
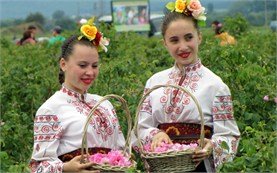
[168, 105]
[58, 128]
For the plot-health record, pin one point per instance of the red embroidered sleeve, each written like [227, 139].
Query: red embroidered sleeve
[47, 132]
[223, 108]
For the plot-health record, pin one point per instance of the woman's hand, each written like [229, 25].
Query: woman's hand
[158, 139]
[74, 165]
[200, 155]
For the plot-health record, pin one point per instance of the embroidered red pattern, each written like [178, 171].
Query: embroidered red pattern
[223, 109]
[146, 107]
[101, 122]
[45, 166]
[46, 128]
[178, 99]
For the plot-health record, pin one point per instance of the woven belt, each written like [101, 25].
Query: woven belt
[68, 156]
[185, 133]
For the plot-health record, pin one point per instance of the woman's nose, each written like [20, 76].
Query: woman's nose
[90, 71]
[183, 45]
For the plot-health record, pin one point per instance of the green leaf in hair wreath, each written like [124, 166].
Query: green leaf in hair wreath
[225, 146]
[80, 37]
[90, 21]
[201, 23]
[170, 6]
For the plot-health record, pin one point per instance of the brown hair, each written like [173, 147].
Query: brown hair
[26, 35]
[173, 16]
[67, 50]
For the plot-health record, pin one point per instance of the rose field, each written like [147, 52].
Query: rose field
[29, 75]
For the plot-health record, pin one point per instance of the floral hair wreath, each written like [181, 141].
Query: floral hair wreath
[189, 8]
[90, 31]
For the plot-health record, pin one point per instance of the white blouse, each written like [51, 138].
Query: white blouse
[59, 124]
[167, 105]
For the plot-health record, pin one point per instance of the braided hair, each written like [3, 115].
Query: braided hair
[67, 50]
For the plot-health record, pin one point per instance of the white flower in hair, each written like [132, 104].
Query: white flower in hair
[83, 21]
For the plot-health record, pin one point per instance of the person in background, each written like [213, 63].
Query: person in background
[27, 38]
[33, 29]
[59, 121]
[142, 18]
[56, 36]
[170, 108]
[225, 37]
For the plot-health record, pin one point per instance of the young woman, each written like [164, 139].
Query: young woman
[168, 108]
[224, 37]
[27, 38]
[59, 122]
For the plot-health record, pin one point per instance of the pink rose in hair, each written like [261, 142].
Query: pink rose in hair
[197, 10]
[199, 14]
[194, 5]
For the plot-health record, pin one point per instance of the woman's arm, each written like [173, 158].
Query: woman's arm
[226, 133]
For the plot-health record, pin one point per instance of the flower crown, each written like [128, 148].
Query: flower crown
[90, 31]
[189, 8]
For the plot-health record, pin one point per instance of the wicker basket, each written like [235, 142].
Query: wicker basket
[127, 148]
[171, 161]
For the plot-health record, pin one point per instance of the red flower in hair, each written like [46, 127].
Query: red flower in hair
[97, 39]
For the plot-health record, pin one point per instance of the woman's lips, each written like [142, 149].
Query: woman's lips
[184, 55]
[87, 81]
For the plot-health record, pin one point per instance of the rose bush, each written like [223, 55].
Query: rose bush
[29, 75]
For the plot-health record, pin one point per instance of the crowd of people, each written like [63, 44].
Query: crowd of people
[28, 37]
[59, 121]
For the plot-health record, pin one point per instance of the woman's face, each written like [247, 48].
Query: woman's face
[182, 40]
[81, 69]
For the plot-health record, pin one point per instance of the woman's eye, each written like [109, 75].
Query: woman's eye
[95, 66]
[82, 65]
[188, 38]
[174, 41]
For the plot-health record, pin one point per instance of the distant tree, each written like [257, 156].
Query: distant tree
[18, 21]
[58, 14]
[66, 23]
[254, 11]
[210, 8]
[35, 17]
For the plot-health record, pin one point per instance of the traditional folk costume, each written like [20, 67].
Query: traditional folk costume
[175, 112]
[58, 129]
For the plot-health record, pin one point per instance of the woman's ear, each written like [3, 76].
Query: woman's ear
[163, 42]
[199, 38]
[63, 64]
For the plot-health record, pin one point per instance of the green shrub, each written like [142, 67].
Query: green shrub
[29, 75]
[236, 25]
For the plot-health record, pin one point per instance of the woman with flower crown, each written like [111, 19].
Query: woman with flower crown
[59, 122]
[168, 115]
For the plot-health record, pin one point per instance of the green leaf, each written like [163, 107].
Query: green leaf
[90, 21]
[80, 37]
[201, 23]
[170, 6]
[225, 146]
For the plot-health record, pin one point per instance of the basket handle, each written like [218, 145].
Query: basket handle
[90, 115]
[177, 87]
